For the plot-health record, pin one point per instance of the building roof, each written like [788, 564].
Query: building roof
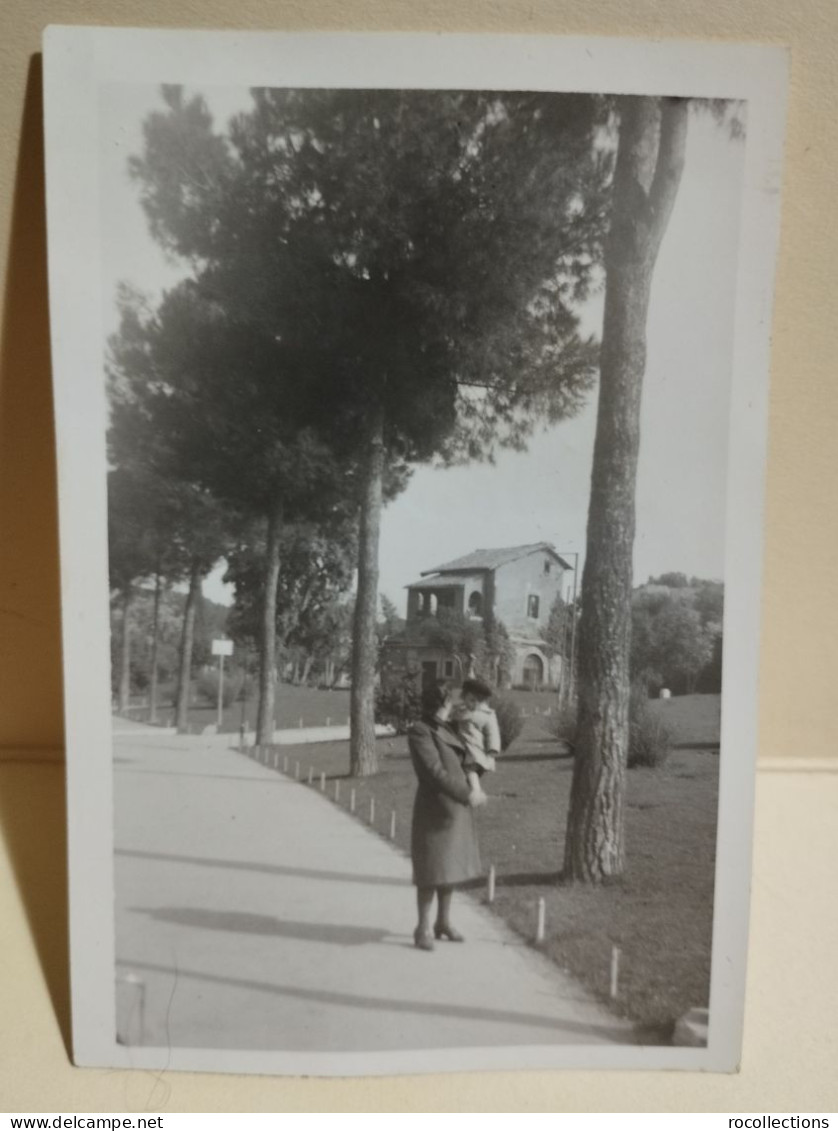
[492, 559]
[438, 581]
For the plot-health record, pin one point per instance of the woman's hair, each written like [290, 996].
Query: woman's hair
[434, 696]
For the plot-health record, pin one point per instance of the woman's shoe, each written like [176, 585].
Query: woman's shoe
[423, 940]
[447, 932]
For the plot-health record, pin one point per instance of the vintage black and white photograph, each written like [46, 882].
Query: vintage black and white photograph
[420, 435]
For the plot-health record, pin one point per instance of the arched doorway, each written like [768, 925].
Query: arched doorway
[533, 671]
[475, 604]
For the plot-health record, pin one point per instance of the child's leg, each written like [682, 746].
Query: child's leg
[474, 785]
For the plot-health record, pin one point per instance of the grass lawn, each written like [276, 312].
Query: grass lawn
[694, 719]
[659, 914]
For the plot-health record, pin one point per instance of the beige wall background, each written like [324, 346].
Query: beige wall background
[790, 1048]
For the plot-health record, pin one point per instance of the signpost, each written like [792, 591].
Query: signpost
[221, 648]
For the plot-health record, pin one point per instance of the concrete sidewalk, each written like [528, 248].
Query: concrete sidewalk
[253, 913]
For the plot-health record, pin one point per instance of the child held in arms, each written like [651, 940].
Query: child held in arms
[477, 725]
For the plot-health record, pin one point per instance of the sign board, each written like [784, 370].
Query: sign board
[222, 647]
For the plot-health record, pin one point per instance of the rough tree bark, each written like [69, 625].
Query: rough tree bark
[267, 658]
[125, 657]
[187, 639]
[650, 160]
[363, 756]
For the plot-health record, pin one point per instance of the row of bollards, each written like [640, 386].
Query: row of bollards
[245, 728]
[272, 758]
[541, 930]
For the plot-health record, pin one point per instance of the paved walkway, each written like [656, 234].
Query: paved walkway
[253, 913]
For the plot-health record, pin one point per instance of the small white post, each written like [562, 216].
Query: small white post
[328, 721]
[337, 789]
[300, 724]
[372, 810]
[220, 690]
[352, 801]
[490, 895]
[393, 825]
[539, 926]
[322, 782]
[615, 969]
[310, 774]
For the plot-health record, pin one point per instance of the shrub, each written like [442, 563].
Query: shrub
[207, 687]
[563, 723]
[510, 720]
[650, 739]
[398, 704]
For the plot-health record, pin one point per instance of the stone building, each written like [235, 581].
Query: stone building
[517, 585]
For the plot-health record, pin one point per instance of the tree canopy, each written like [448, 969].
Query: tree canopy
[378, 278]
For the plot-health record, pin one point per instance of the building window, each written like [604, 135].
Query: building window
[448, 668]
[475, 605]
[546, 565]
[532, 606]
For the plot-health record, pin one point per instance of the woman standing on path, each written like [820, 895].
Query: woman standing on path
[443, 841]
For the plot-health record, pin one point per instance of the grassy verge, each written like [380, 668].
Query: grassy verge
[659, 914]
[694, 719]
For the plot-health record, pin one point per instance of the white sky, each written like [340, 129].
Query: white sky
[541, 494]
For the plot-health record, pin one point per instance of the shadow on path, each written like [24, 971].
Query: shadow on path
[617, 1034]
[267, 869]
[245, 922]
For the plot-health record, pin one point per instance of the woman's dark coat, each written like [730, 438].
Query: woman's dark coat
[443, 842]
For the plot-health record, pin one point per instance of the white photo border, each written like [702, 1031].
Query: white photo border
[78, 62]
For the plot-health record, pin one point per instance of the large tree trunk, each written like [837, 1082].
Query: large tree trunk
[363, 756]
[267, 658]
[125, 656]
[650, 160]
[155, 631]
[187, 641]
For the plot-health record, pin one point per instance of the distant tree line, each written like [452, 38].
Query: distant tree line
[676, 634]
